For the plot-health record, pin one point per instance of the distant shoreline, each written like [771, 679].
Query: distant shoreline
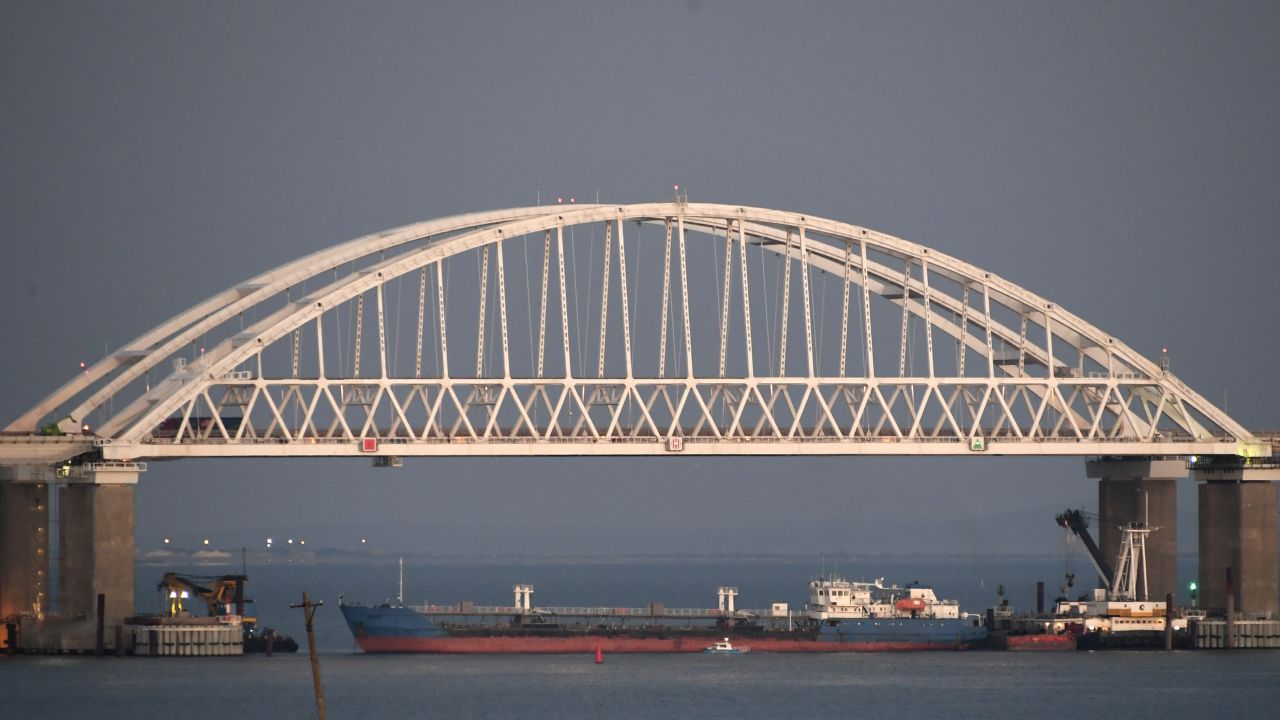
[215, 558]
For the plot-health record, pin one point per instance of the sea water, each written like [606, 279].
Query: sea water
[1183, 684]
[1115, 684]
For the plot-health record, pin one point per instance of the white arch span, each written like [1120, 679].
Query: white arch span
[1001, 369]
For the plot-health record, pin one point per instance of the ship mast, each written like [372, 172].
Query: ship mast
[1132, 561]
[400, 597]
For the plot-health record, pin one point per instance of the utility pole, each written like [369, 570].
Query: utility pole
[309, 610]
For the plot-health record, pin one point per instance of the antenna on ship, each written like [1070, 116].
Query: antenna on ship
[400, 597]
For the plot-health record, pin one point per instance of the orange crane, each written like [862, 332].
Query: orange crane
[221, 594]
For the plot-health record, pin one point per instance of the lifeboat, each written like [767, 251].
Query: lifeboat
[910, 604]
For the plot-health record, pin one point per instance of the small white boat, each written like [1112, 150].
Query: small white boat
[724, 647]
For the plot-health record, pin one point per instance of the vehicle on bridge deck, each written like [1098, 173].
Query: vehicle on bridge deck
[193, 428]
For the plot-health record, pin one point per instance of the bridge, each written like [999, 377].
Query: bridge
[654, 329]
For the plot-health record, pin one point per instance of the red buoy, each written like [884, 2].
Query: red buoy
[599, 653]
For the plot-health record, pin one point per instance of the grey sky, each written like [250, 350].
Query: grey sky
[1120, 159]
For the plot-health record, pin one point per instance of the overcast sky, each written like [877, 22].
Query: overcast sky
[1121, 159]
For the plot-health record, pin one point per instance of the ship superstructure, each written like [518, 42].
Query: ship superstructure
[836, 598]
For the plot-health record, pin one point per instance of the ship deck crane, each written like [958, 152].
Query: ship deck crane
[1128, 579]
[1077, 521]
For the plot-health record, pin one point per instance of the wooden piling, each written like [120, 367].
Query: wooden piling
[1231, 611]
[309, 611]
[102, 612]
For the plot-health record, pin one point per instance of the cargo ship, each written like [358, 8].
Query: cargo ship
[841, 616]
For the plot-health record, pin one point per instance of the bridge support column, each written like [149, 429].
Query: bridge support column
[97, 546]
[95, 539]
[1238, 530]
[24, 535]
[1141, 490]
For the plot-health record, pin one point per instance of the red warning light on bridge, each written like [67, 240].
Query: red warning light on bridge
[369, 445]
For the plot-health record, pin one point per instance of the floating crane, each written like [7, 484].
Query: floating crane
[1122, 582]
[1119, 614]
[222, 595]
[219, 593]
[1077, 521]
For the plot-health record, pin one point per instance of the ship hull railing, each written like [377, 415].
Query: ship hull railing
[460, 609]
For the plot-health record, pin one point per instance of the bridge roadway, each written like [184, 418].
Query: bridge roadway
[52, 451]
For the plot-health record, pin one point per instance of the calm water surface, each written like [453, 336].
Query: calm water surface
[917, 685]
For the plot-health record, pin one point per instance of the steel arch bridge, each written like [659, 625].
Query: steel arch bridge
[645, 329]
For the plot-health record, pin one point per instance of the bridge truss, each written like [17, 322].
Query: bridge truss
[646, 329]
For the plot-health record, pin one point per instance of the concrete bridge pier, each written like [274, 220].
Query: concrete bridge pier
[1141, 490]
[94, 529]
[1238, 530]
[24, 542]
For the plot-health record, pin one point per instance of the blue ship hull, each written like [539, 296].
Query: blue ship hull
[904, 632]
[386, 621]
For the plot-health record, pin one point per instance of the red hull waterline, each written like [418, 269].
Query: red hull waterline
[587, 644]
[1033, 643]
